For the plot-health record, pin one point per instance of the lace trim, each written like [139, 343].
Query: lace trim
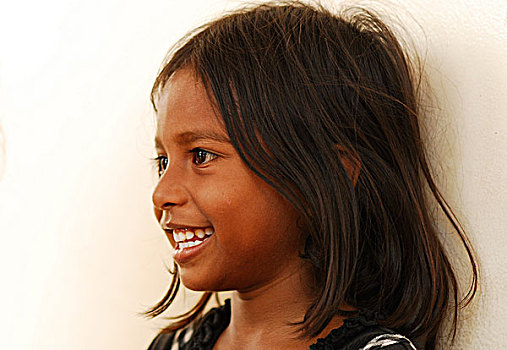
[210, 327]
[350, 329]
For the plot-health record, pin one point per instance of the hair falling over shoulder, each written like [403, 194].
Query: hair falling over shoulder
[300, 89]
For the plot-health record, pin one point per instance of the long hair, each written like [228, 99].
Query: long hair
[299, 90]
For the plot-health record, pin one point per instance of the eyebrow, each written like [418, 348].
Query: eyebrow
[193, 136]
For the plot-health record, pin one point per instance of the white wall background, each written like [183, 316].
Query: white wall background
[81, 254]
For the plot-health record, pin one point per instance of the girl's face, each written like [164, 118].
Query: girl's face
[229, 229]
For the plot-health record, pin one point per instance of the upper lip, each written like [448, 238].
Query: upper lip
[175, 226]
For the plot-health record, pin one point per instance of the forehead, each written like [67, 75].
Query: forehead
[184, 106]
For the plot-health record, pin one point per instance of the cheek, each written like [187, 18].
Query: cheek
[215, 199]
[259, 217]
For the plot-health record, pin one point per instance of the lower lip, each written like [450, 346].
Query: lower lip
[182, 256]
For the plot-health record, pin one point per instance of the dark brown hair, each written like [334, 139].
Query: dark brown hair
[298, 89]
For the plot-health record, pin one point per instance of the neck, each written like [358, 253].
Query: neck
[264, 317]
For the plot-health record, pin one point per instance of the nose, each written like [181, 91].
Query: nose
[170, 191]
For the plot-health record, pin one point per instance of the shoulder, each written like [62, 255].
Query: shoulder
[374, 338]
[363, 332]
[378, 338]
[389, 341]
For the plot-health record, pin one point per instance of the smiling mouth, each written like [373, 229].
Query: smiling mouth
[190, 237]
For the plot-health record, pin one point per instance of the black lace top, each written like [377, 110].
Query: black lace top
[360, 332]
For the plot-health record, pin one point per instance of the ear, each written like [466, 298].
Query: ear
[351, 163]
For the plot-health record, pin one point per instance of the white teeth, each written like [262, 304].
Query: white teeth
[190, 244]
[183, 236]
[177, 236]
[199, 233]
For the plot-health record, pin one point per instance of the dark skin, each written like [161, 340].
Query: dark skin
[255, 248]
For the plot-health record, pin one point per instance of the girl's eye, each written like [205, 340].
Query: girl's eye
[201, 157]
[161, 164]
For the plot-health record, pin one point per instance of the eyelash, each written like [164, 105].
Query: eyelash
[161, 161]
[157, 165]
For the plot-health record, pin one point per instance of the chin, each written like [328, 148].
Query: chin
[200, 283]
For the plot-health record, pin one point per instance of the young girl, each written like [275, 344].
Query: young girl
[292, 172]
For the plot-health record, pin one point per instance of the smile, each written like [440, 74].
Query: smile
[190, 237]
